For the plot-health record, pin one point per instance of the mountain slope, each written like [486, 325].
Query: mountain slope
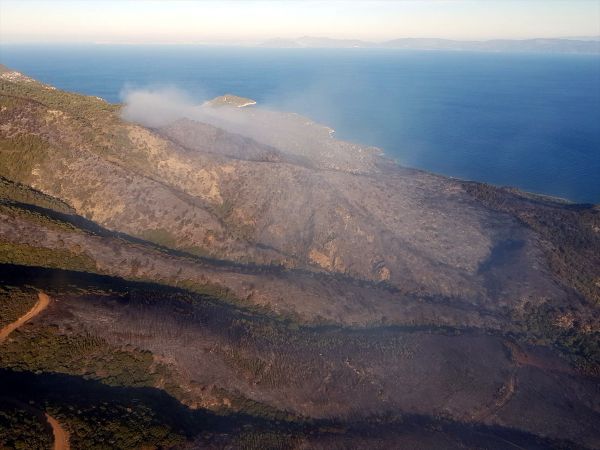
[303, 289]
[353, 213]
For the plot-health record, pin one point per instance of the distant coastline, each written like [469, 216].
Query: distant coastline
[587, 45]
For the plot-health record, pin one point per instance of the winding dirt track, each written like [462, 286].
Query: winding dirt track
[61, 436]
[42, 304]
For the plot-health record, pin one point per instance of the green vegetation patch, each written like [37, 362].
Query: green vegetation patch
[113, 425]
[22, 429]
[95, 416]
[16, 192]
[45, 349]
[75, 104]
[29, 213]
[23, 254]
[14, 302]
[19, 155]
[159, 236]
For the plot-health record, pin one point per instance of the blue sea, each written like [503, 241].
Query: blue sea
[525, 120]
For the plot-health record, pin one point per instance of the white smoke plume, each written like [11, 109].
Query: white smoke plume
[156, 107]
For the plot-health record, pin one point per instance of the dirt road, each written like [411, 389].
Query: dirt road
[61, 436]
[42, 304]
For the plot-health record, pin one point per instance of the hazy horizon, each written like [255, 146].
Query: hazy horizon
[251, 22]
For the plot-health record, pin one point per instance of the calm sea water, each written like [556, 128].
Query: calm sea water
[531, 121]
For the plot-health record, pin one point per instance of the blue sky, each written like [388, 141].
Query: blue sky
[250, 21]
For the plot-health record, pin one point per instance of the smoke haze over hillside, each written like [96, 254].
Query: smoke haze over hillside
[156, 107]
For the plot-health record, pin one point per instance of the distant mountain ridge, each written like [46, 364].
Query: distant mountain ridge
[546, 45]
